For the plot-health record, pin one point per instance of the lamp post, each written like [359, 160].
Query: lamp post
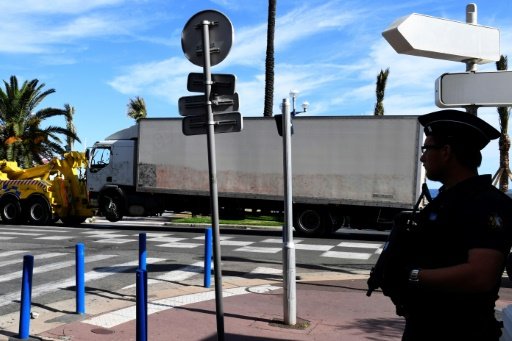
[305, 104]
[289, 272]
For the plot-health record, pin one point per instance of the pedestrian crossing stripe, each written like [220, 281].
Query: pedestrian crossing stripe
[347, 255]
[70, 282]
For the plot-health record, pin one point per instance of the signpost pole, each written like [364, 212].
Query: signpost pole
[212, 167]
[289, 272]
[471, 18]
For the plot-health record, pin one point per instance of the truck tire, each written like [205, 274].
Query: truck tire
[111, 207]
[309, 222]
[37, 211]
[10, 210]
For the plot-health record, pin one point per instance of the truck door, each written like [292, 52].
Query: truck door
[111, 164]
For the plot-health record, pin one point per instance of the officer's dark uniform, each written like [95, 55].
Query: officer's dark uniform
[471, 214]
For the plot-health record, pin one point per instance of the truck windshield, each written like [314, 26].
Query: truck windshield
[100, 157]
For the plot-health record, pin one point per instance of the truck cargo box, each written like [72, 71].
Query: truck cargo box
[350, 160]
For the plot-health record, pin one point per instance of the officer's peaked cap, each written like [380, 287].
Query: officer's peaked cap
[459, 126]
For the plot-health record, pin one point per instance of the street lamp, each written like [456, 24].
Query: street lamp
[293, 112]
[305, 104]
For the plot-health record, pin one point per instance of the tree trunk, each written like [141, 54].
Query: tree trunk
[504, 144]
[269, 61]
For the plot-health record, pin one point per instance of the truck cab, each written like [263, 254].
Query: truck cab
[111, 173]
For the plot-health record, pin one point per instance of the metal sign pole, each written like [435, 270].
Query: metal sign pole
[212, 167]
[471, 18]
[289, 273]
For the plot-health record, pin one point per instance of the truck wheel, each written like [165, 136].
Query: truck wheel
[309, 222]
[10, 210]
[111, 207]
[38, 211]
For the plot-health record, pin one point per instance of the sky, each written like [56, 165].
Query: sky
[99, 54]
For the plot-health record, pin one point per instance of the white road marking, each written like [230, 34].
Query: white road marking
[69, 282]
[37, 257]
[120, 316]
[100, 232]
[21, 233]
[266, 271]
[26, 229]
[11, 253]
[234, 243]
[313, 247]
[220, 238]
[259, 249]
[156, 235]
[115, 241]
[165, 239]
[50, 267]
[179, 275]
[360, 245]
[279, 241]
[55, 237]
[346, 255]
[179, 245]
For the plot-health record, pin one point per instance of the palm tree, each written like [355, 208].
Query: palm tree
[380, 88]
[137, 108]
[22, 138]
[503, 174]
[269, 60]
[70, 112]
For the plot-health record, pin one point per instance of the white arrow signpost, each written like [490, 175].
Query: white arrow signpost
[426, 36]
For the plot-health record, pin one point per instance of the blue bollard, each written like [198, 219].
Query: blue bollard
[26, 296]
[142, 251]
[80, 278]
[141, 306]
[208, 248]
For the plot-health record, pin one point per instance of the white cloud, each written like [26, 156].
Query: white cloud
[8, 8]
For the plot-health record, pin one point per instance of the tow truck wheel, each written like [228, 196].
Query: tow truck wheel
[38, 211]
[10, 210]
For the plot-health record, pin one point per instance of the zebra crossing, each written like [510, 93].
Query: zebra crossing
[111, 271]
[334, 249]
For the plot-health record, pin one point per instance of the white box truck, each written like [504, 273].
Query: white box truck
[353, 170]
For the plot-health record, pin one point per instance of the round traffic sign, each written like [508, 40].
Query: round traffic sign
[221, 37]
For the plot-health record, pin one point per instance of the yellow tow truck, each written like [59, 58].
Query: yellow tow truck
[46, 193]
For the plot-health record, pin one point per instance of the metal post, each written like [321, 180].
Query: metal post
[289, 275]
[471, 18]
[26, 296]
[207, 257]
[141, 305]
[80, 278]
[212, 168]
[142, 251]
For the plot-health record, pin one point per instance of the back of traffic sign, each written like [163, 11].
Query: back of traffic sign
[483, 89]
[221, 37]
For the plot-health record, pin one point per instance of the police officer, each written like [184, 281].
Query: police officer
[461, 238]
